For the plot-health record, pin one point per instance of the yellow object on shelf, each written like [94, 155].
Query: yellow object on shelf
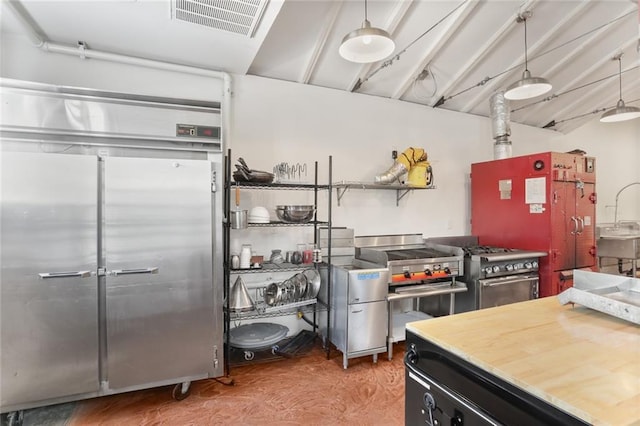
[420, 175]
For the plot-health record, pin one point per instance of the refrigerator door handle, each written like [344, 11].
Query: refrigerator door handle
[116, 272]
[81, 274]
[575, 225]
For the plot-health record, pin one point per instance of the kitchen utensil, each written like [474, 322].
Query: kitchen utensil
[276, 257]
[300, 282]
[235, 261]
[313, 282]
[239, 299]
[272, 294]
[295, 214]
[245, 256]
[246, 174]
[255, 176]
[238, 217]
[259, 215]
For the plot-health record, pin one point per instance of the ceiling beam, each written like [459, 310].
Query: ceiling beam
[321, 41]
[574, 53]
[484, 93]
[451, 29]
[394, 20]
[480, 54]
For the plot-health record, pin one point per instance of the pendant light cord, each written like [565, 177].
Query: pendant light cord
[573, 89]
[485, 80]
[526, 62]
[395, 57]
[620, 74]
[365, 11]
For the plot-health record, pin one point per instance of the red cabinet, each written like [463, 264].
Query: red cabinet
[541, 202]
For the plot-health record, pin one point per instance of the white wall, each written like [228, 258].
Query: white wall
[275, 121]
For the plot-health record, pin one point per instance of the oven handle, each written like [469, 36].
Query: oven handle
[508, 280]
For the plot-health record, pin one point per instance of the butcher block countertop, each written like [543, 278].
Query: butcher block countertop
[584, 362]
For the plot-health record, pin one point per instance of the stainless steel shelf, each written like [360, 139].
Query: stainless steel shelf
[401, 190]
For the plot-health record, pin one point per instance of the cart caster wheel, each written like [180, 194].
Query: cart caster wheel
[181, 391]
[248, 355]
[13, 418]
[274, 350]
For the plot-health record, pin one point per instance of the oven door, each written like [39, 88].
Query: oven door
[504, 290]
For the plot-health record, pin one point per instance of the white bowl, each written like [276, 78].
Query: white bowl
[259, 213]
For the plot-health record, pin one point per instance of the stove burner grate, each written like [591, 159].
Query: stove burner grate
[471, 250]
[408, 254]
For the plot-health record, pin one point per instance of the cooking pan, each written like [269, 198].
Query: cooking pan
[313, 282]
[238, 217]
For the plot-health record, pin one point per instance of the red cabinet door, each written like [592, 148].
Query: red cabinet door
[585, 237]
[563, 225]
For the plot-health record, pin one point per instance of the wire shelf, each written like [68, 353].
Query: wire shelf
[264, 311]
[292, 186]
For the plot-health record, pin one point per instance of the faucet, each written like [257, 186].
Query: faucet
[615, 213]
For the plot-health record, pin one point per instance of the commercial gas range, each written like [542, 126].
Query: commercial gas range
[417, 269]
[495, 275]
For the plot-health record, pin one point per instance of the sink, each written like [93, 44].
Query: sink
[619, 232]
[623, 230]
[622, 242]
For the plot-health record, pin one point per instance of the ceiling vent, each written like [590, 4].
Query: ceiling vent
[235, 16]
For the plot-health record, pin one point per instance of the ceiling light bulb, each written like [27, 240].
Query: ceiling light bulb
[366, 39]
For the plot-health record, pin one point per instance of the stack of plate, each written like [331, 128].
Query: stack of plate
[258, 215]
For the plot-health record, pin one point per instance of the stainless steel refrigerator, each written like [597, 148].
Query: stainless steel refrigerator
[111, 274]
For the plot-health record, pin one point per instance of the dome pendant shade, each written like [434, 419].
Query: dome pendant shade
[366, 44]
[620, 113]
[527, 87]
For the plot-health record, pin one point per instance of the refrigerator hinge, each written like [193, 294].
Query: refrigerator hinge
[213, 181]
[215, 356]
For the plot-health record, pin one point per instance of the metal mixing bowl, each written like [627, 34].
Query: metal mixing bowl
[295, 214]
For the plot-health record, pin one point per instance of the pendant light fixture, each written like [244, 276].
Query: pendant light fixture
[366, 44]
[527, 87]
[620, 112]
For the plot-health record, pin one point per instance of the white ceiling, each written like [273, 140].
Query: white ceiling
[571, 43]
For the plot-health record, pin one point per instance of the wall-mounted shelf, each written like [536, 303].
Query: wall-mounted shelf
[401, 190]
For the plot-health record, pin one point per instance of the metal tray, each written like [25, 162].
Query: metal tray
[615, 295]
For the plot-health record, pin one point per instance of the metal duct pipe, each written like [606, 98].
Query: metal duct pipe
[500, 125]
